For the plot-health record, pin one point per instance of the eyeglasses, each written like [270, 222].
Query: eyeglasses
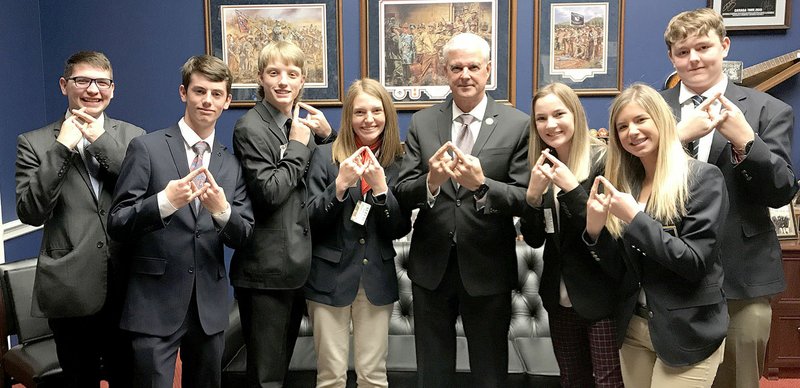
[85, 82]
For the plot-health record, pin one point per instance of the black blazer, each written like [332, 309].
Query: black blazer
[751, 254]
[678, 268]
[486, 239]
[279, 254]
[344, 253]
[172, 258]
[591, 291]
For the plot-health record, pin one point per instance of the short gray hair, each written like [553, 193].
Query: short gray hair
[465, 41]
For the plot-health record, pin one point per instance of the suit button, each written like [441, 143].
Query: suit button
[196, 234]
[302, 204]
[458, 202]
[362, 241]
[191, 270]
[365, 261]
[650, 314]
[100, 244]
[305, 231]
[102, 212]
[450, 234]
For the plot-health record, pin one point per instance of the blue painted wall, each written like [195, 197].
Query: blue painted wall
[148, 41]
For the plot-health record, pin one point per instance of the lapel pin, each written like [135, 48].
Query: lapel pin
[489, 121]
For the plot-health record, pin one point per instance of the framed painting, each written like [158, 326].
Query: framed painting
[754, 14]
[237, 30]
[784, 222]
[579, 43]
[402, 44]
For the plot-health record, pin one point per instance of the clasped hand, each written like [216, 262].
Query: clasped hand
[730, 122]
[548, 169]
[463, 168]
[619, 204]
[77, 126]
[355, 167]
[181, 192]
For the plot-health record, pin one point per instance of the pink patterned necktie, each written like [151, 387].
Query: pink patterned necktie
[199, 149]
[465, 140]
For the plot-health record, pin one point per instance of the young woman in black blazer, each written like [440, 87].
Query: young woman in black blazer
[354, 218]
[653, 221]
[578, 296]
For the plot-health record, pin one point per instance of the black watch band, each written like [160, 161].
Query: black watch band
[481, 191]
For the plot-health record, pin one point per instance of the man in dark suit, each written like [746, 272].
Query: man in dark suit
[462, 258]
[177, 206]
[274, 145]
[747, 134]
[66, 172]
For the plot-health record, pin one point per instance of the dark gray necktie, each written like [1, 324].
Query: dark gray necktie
[693, 146]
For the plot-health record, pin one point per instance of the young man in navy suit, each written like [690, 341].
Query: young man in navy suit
[748, 135]
[180, 199]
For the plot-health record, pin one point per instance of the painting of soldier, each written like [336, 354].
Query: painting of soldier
[248, 28]
[578, 36]
[414, 33]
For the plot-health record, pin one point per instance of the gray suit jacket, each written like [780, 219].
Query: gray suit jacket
[751, 254]
[485, 238]
[53, 189]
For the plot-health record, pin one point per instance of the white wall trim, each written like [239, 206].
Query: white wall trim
[16, 228]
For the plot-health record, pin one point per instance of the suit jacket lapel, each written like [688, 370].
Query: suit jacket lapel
[271, 124]
[488, 125]
[444, 125]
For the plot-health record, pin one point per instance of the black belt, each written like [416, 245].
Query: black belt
[643, 311]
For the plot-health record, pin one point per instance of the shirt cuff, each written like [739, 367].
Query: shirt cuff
[222, 217]
[165, 208]
[431, 196]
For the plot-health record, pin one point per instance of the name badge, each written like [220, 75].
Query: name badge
[283, 149]
[360, 213]
[549, 226]
[670, 230]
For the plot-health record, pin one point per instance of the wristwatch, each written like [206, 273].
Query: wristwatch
[480, 192]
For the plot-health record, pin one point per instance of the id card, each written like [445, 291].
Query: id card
[283, 149]
[549, 227]
[360, 213]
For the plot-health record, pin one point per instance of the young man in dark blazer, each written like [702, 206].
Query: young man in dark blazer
[66, 172]
[274, 145]
[748, 135]
[180, 199]
[462, 258]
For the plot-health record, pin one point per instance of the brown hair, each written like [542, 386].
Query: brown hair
[210, 67]
[91, 58]
[345, 143]
[697, 22]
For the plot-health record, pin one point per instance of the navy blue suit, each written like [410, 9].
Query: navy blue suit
[177, 267]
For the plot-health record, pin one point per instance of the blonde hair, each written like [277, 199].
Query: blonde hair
[697, 22]
[579, 160]
[667, 202]
[345, 143]
[281, 51]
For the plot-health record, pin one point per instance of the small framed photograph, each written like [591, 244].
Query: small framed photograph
[402, 43]
[237, 30]
[579, 43]
[784, 221]
[754, 14]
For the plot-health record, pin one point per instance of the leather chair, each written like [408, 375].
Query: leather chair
[33, 361]
[531, 359]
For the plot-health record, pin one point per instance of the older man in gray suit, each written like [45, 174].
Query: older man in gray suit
[65, 175]
[462, 258]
